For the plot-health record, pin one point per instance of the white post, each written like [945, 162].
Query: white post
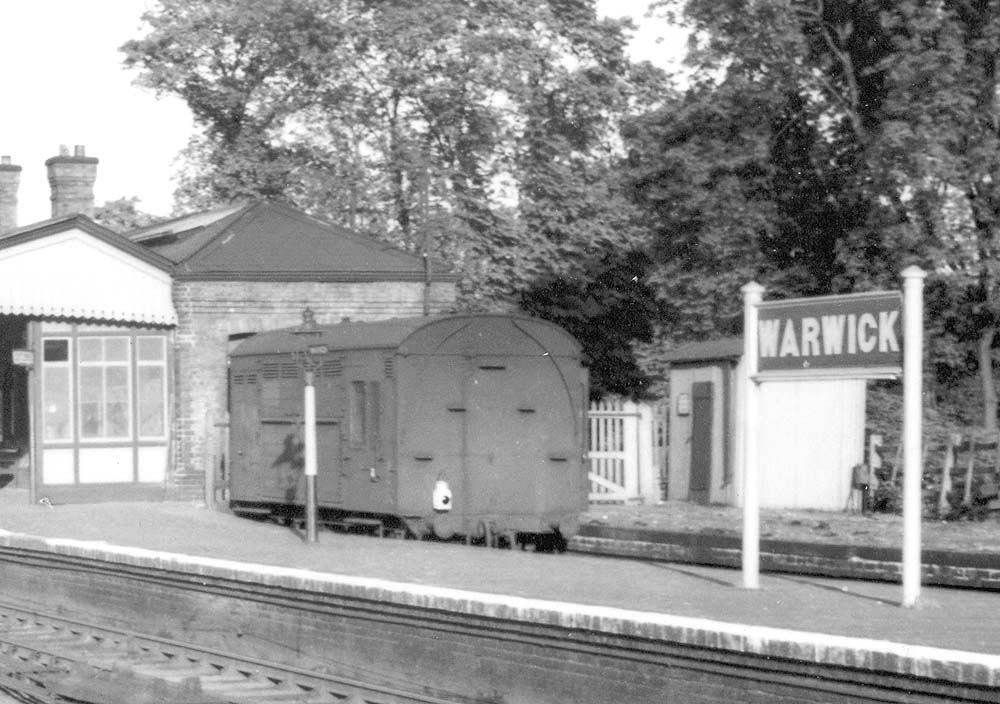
[913, 345]
[630, 447]
[752, 295]
[309, 440]
[649, 486]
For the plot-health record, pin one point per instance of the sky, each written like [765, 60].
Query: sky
[62, 83]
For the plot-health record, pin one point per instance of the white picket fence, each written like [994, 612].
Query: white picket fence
[628, 451]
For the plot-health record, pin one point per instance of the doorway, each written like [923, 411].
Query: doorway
[15, 427]
[702, 418]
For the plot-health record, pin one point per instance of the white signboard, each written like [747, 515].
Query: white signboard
[22, 358]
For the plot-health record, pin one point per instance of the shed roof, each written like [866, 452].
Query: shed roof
[269, 240]
[485, 333]
[726, 348]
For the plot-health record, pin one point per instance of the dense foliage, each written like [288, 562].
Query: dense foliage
[608, 308]
[122, 215]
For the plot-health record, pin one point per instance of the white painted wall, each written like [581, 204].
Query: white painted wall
[811, 435]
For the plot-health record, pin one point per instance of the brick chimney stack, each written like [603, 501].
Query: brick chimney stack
[71, 180]
[10, 179]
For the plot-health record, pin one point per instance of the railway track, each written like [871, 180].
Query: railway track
[45, 659]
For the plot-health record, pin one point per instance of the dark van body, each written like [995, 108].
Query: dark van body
[459, 425]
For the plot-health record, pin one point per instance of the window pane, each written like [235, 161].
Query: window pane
[55, 350]
[55, 384]
[117, 384]
[116, 349]
[91, 387]
[91, 349]
[150, 349]
[151, 410]
[116, 402]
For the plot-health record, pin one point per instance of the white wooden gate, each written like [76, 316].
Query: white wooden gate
[627, 449]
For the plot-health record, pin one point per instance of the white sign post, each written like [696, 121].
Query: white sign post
[753, 293]
[309, 451]
[850, 336]
[913, 345]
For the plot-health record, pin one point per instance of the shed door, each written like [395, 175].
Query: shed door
[701, 441]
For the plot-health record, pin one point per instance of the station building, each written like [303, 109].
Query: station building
[114, 347]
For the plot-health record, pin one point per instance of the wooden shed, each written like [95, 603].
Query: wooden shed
[811, 432]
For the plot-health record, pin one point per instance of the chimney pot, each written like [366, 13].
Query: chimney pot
[79, 150]
[63, 150]
[4, 159]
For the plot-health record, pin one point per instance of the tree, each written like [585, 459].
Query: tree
[608, 310]
[243, 69]
[702, 183]
[122, 215]
[942, 127]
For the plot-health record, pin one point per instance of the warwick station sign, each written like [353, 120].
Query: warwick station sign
[857, 333]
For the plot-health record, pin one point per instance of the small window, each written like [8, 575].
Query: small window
[55, 350]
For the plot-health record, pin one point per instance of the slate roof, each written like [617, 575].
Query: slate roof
[727, 348]
[270, 240]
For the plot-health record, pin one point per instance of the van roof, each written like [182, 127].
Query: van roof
[481, 333]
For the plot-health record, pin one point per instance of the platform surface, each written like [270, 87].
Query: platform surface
[953, 619]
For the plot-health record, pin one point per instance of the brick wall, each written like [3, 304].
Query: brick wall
[208, 313]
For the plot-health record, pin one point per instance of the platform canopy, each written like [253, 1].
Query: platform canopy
[74, 268]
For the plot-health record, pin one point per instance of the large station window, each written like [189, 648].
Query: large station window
[104, 413]
[104, 403]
